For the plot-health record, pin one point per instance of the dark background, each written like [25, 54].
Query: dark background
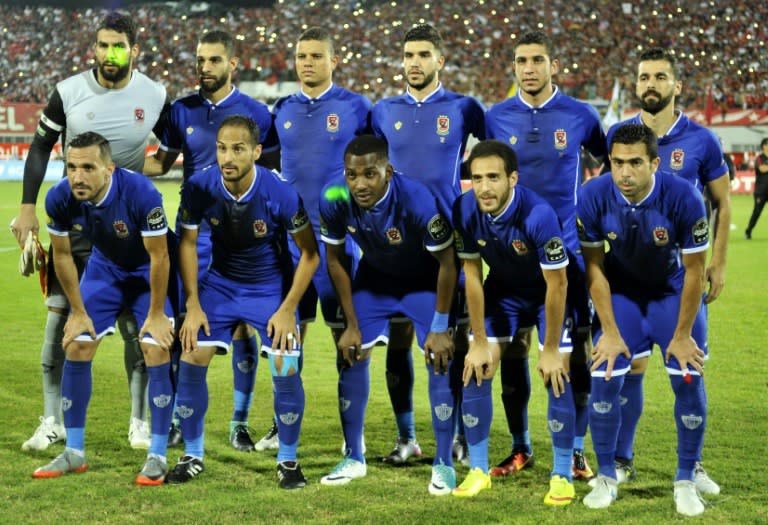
[116, 4]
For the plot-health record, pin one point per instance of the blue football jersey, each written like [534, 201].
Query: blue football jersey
[396, 234]
[427, 138]
[131, 210]
[547, 141]
[688, 150]
[646, 239]
[517, 244]
[313, 134]
[249, 234]
[194, 123]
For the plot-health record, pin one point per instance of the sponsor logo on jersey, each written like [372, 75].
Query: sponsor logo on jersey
[300, 219]
[676, 159]
[344, 404]
[138, 114]
[554, 250]
[394, 236]
[185, 411]
[438, 228]
[561, 139]
[121, 229]
[214, 221]
[612, 236]
[555, 425]
[259, 228]
[332, 123]
[513, 140]
[602, 407]
[190, 130]
[398, 125]
[66, 404]
[470, 421]
[692, 421]
[289, 418]
[701, 231]
[351, 229]
[161, 401]
[519, 247]
[443, 125]
[481, 242]
[156, 219]
[443, 412]
[660, 236]
[287, 124]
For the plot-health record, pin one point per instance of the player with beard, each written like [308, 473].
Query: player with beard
[191, 130]
[124, 106]
[548, 130]
[427, 129]
[692, 152]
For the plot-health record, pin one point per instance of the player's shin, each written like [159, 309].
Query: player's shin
[631, 397]
[52, 360]
[604, 420]
[400, 388]
[443, 414]
[691, 421]
[477, 414]
[354, 387]
[289, 404]
[561, 419]
[244, 363]
[76, 387]
[192, 404]
[515, 394]
[160, 406]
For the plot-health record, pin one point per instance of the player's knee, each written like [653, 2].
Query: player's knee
[283, 365]
[639, 366]
[81, 351]
[154, 355]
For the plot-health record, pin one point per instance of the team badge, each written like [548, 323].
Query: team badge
[519, 247]
[394, 236]
[289, 418]
[470, 421]
[602, 407]
[66, 404]
[623, 400]
[287, 124]
[138, 114]
[612, 236]
[246, 365]
[351, 229]
[555, 425]
[676, 159]
[121, 229]
[692, 421]
[513, 140]
[700, 231]
[214, 221]
[438, 228]
[398, 125]
[344, 404]
[443, 125]
[443, 412]
[481, 242]
[190, 129]
[259, 228]
[660, 236]
[184, 412]
[156, 219]
[161, 401]
[561, 139]
[554, 250]
[332, 123]
[300, 219]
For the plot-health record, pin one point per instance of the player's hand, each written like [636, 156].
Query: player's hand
[478, 363]
[438, 351]
[24, 223]
[551, 367]
[160, 328]
[350, 345]
[687, 353]
[77, 324]
[194, 320]
[716, 279]
[283, 330]
[608, 348]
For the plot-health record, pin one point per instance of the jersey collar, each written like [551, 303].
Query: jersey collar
[222, 101]
[304, 96]
[437, 93]
[511, 205]
[108, 195]
[647, 198]
[248, 192]
[555, 93]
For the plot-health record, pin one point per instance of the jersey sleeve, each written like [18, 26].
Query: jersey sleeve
[587, 222]
[437, 231]
[293, 216]
[595, 139]
[692, 224]
[52, 123]
[474, 118]
[171, 139]
[713, 165]
[334, 201]
[190, 208]
[463, 239]
[149, 210]
[548, 237]
[364, 116]
[59, 222]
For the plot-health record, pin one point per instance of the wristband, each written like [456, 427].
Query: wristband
[439, 322]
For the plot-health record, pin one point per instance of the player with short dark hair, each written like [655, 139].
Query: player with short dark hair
[192, 126]
[251, 212]
[518, 235]
[650, 220]
[408, 269]
[124, 106]
[548, 131]
[692, 152]
[427, 129]
[761, 187]
[122, 213]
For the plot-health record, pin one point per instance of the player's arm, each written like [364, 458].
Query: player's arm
[157, 323]
[52, 123]
[438, 347]
[479, 362]
[551, 365]
[66, 272]
[282, 325]
[611, 344]
[682, 346]
[350, 341]
[188, 267]
[159, 163]
[720, 195]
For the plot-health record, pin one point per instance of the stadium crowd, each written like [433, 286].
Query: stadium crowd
[722, 45]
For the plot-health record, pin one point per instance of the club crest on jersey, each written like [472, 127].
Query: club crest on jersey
[519, 247]
[332, 123]
[394, 236]
[676, 159]
[513, 140]
[138, 114]
[121, 229]
[190, 130]
[287, 124]
[259, 228]
[398, 125]
[660, 236]
[299, 219]
[443, 125]
[561, 139]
